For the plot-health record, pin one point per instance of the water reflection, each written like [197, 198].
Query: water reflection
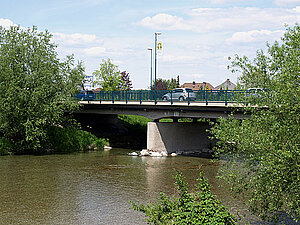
[92, 188]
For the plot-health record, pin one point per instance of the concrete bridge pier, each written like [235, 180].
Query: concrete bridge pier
[185, 138]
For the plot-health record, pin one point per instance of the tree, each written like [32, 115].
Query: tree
[264, 149]
[172, 84]
[110, 78]
[36, 88]
[200, 207]
[162, 84]
[126, 83]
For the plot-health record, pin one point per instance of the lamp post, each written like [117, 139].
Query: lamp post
[150, 49]
[205, 92]
[204, 85]
[155, 63]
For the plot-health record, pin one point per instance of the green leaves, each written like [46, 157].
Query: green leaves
[263, 151]
[108, 76]
[200, 207]
[36, 88]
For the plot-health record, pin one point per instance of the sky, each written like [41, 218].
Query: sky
[198, 36]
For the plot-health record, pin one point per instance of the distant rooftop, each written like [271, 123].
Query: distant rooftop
[198, 86]
[226, 85]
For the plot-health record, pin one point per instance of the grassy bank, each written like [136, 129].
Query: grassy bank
[58, 140]
[134, 122]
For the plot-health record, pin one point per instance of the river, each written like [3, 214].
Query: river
[93, 188]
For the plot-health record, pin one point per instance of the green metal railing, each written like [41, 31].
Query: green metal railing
[207, 96]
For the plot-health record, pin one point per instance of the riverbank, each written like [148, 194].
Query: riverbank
[58, 140]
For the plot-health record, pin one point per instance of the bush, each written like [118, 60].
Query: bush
[71, 139]
[5, 146]
[200, 207]
[266, 145]
[134, 121]
[36, 87]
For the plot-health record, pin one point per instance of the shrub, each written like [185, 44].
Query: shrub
[71, 139]
[5, 146]
[200, 207]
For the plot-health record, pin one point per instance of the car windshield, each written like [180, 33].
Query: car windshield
[178, 90]
[189, 90]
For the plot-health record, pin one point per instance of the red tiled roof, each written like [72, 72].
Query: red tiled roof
[197, 86]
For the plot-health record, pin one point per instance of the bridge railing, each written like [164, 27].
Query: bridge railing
[207, 96]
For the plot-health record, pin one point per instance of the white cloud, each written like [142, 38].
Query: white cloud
[6, 23]
[76, 38]
[224, 19]
[224, 1]
[117, 62]
[255, 36]
[241, 18]
[177, 58]
[163, 21]
[95, 51]
[195, 76]
[297, 9]
[287, 2]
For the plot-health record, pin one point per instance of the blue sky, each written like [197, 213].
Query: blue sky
[198, 35]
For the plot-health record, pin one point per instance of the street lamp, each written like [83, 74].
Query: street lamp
[155, 62]
[150, 49]
[205, 92]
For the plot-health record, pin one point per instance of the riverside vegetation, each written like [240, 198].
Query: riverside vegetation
[261, 157]
[36, 91]
[263, 150]
[199, 207]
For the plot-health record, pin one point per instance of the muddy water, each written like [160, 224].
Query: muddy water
[92, 188]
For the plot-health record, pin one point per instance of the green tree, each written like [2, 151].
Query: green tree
[36, 88]
[108, 76]
[169, 84]
[172, 83]
[263, 150]
[200, 207]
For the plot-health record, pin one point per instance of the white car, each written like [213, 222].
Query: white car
[180, 94]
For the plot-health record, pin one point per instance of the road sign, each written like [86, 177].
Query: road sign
[159, 47]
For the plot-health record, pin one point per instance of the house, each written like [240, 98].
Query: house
[226, 85]
[97, 90]
[198, 86]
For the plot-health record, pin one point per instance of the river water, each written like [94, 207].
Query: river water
[93, 188]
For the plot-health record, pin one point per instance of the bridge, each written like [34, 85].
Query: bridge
[210, 104]
[169, 137]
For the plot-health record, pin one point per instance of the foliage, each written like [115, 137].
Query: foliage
[173, 83]
[36, 88]
[200, 207]
[139, 122]
[126, 82]
[263, 150]
[5, 146]
[110, 78]
[162, 84]
[71, 139]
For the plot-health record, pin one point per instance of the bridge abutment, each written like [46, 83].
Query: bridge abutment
[179, 137]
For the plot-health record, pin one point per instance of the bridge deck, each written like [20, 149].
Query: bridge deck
[163, 109]
[163, 103]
